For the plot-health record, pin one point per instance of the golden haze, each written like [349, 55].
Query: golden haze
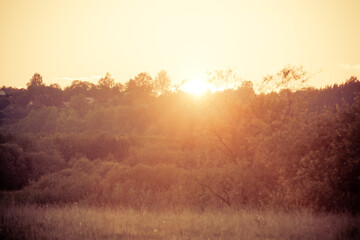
[67, 40]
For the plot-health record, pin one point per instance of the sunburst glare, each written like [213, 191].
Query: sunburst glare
[197, 87]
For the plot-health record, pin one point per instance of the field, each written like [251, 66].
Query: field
[80, 222]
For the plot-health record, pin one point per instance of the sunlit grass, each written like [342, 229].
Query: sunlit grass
[77, 222]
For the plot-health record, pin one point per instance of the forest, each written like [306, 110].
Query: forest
[148, 145]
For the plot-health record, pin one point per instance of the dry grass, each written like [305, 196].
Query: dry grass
[77, 222]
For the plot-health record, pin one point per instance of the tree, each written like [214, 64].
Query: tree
[78, 87]
[245, 92]
[106, 82]
[162, 82]
[227, 78]
[142, 84]
[290, 77]
[41, 94]
[14, 167]
[35, 81]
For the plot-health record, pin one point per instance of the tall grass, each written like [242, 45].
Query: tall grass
[80, 222]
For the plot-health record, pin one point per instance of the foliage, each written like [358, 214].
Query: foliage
[142, 146]
[35, 81]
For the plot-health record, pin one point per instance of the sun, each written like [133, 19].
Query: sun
[197, 87]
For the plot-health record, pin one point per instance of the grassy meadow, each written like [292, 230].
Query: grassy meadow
[81, 222]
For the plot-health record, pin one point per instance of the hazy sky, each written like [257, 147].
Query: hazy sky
[84, 39]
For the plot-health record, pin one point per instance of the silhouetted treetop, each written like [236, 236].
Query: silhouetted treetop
[35, 81]
[106, 82]
[290, 77]
[141, 83]
[162, 82]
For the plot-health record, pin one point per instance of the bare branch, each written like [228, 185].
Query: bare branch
[225, 200]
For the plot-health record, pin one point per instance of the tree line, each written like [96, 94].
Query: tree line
[141, 145]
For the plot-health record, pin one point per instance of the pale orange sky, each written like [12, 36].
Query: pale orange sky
[84, 39]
